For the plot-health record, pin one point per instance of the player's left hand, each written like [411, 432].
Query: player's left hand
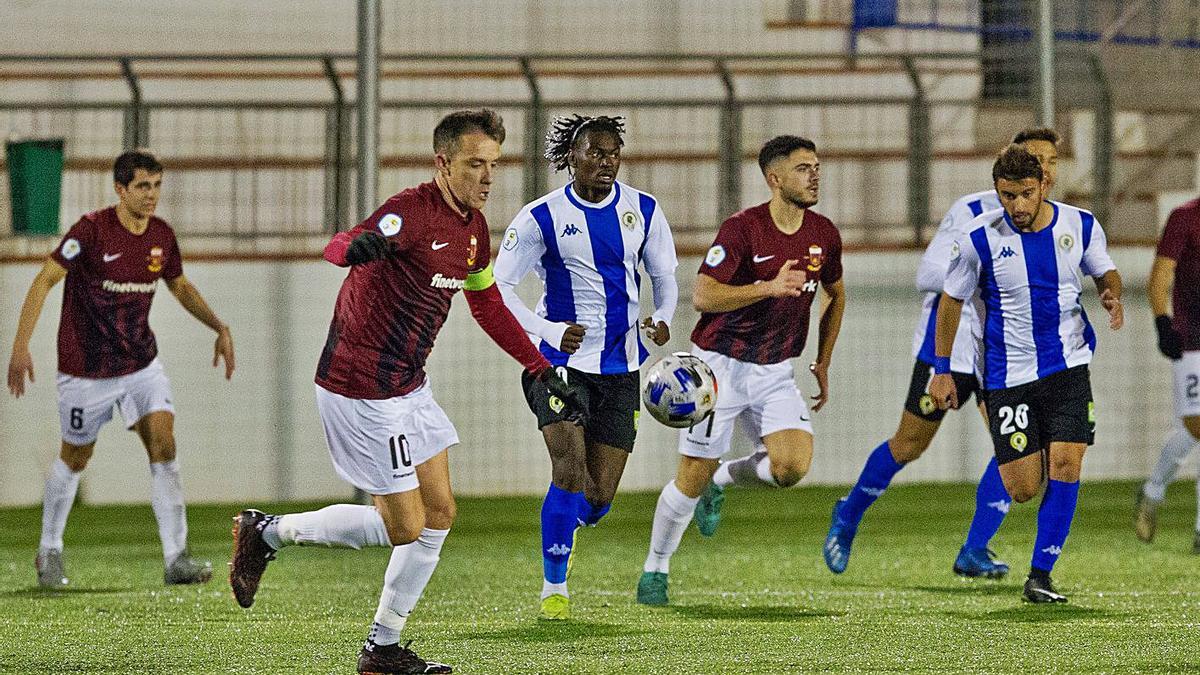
[1116, 311]
[659, 332]
[223, 348]
[821, 372]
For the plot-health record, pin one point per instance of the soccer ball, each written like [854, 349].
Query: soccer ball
[680, 390]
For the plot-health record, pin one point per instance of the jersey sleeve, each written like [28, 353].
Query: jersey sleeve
[726, 254]
[520, 249]
[660, 261]
[70, 251]
[831, 271]
[173, 269]
[1174, 237]
[1096, 261]
[962, 279]
[931, 272]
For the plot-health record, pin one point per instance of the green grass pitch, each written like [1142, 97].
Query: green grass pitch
[755, 598]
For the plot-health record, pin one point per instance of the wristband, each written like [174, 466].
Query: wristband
[941, 365]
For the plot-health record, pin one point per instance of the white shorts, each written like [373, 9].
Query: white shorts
[1187, 384]
[85, 404]
[376, 445]
[765, 399]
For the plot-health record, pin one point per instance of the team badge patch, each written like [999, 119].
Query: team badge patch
[629, 220]
[472, 249]
[511, 238]
[926, 404]
[955, 252]
[1066, 242]
[816, 256]
[71, 248]
[155, 259]
[1019, 441]
[390, 224]
[716, 255]
[556, 404]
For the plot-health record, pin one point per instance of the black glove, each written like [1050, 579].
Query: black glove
[566, 392]
[1169, 342]
[367, 247]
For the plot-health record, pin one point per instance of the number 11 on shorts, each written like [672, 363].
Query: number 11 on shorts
[400, 454]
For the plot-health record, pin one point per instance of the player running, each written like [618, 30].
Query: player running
[585, 241]
[387, 435]
[754, 291]
[1176, 275]
[1019, 265]
[112, 260]
[921, 418]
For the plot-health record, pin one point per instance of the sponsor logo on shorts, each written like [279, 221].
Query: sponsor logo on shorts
[1019, 441]
[403, 475]
[439, 281]
[556, 404]
[127, 286]
[926, 405]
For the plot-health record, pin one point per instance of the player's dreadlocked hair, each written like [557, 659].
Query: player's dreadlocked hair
[564, 131]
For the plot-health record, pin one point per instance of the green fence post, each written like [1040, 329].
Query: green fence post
[35, 169]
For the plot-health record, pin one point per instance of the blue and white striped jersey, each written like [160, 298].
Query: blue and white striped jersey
[587, 257]
[931, 279]
[1026, 287]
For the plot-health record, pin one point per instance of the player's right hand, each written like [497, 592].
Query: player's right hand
[568, 393]
[367, 247]
[943, 392]
[20, 363]
[572, 338]
[788, 282]
[1169, 342]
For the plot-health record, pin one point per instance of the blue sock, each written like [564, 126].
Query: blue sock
[873, 480]
[591, 513]
[991, 505]
[560, 517]
[1054, 522]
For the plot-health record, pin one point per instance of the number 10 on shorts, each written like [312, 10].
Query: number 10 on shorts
[400, 453]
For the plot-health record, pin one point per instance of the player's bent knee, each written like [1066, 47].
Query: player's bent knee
[787, 476]
[405, 532]
[76, 457]
[1022, 493]
[442, 516]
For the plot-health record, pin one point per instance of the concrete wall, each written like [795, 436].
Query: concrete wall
[258, 437]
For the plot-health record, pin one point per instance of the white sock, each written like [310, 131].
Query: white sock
[340, 525]
[549, 589]
[61, 486]
[751, 470]
[1176, 449]
[408, 573]
[166, 498]
[671, 518]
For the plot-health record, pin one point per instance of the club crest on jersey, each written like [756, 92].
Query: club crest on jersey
[716, 255]
[511, 238]
[155, 259]
[1066, 242]
[816, 257]
[390, 224]
[955, 252]
[629, 220]
[472, 249]
[71, 248]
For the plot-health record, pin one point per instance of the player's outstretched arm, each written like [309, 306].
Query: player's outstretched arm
[21, 362]
[189, 296]
[488, 309]
[712, 296]
[941, 385]
[833, 306]
[1110, 289]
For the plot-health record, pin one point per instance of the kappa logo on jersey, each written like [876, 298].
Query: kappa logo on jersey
[809, 286]
[629, 220]
[816, 257]
[390, 224]
[716, 255]
[155, 259]
[472, 249]
[1006, 252]
[511, 239]
[571, 230]
[71, 248]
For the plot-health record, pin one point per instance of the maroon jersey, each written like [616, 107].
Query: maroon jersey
[1181, 242]
[749, 249]
[104, 330]
[389, 311]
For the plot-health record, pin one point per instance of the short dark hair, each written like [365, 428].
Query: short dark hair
[458, 124]
[566, 131]
[1016, 163]
[127, 164]
[1037, 134]
[780, 147]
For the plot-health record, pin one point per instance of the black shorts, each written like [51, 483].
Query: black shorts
[612, 403]
[1055, 409]
[921, 404]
